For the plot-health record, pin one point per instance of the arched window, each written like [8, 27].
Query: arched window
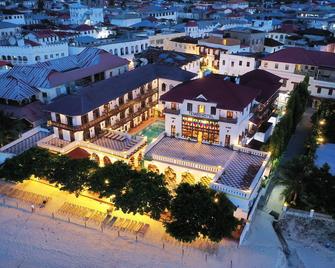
[163, 87]
[95, 158]
[37, 58]
[25, 59]
[115, 51]
[122, 51]
[107, 161]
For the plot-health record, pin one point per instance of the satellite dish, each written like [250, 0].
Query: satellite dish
[12, 41]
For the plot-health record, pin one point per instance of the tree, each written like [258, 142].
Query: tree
[9, 128]
[111, 179]
[72, 175]
[197, 210]
[132, 191]
[293, 176]
[35, 161]
[145, 192]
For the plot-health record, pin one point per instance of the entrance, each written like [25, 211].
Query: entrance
[199, 136]
[227, 140]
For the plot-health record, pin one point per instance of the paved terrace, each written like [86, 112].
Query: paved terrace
[116, 143]
[240, 168]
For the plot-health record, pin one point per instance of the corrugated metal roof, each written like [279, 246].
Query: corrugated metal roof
[23, 81]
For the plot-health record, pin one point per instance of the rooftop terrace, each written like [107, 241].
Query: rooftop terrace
[237, 168]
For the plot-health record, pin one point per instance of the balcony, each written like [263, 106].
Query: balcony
[171, 111]
[131, 116]
[228, 120]
[105, 114]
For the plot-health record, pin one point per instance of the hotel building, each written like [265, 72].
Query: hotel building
[97, 117]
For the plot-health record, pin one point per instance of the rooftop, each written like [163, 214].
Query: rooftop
[239, 168]
[215, 89]
[303, 56]
[99, 93]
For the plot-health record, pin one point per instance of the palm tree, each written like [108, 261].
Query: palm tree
[292, 176]
[9, 128]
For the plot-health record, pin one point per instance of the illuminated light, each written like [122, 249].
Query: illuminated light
[216, 200]
[106, 181]
[322, 122]
[285, 204]
[320, 139]
[284, 112]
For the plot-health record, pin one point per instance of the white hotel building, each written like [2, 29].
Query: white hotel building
[293, 64]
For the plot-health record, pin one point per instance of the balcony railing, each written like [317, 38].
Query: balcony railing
[171, 111]
[228, 120]
[131, 116]
[106, 114]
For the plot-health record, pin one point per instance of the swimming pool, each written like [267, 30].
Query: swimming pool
[152, 131]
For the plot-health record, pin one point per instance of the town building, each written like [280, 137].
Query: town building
[81, 14]
[48, 80]
[96, 118]
[293, 64]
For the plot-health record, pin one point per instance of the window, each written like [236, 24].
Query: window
[265, 65]
[284, 83]
[276, 66]
[163, 87]
[223, 62]
[286, 67]
[240, 63]
[189, 107]
[213, 110]
[232, 64]
[330, 92]
[201, 109]
[248, 63]
[229, 114]
[319, 90]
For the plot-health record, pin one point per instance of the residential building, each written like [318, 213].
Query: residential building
[48, 80]
[81, 14]
[293, 64]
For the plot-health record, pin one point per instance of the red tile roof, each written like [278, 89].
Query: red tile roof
[78, 153]
[5, 63]
[227, 95]
[268, 83]
[303, 56]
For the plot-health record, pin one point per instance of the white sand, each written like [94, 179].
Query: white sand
[36, 240]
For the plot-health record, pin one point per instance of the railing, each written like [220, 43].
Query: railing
[123, 121]
[171, 111]
[189, 164]
[105, 115]
[228, 120]
[44, 143]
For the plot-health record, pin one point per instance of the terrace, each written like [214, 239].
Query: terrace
[237, 170]
[109, 142]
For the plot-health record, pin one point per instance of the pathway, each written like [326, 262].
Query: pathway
[273, 200]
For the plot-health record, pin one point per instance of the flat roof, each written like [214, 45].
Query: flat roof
[239, 168]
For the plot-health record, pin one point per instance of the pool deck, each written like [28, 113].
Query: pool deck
[144, 124]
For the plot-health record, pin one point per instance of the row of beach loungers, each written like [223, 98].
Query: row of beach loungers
[104, 220]
[122, 224]
[80, 212]
[28, 197]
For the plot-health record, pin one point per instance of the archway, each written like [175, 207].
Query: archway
[170, 177]
[187, 177]
[107, 161]
[153, 168]
[95, 158]
[205, 181]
